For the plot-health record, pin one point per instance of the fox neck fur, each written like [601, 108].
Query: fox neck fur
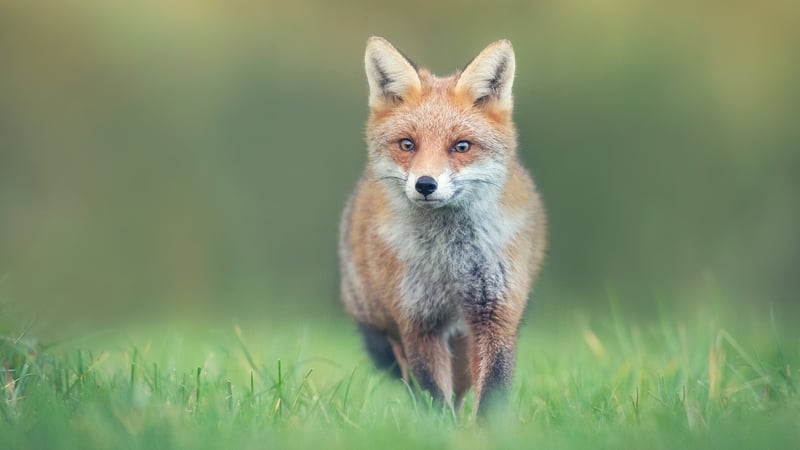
[450, 254]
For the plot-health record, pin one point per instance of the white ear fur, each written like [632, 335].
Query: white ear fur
[490, 76]
[390, 74]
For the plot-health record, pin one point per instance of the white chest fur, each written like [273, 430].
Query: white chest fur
[448, 255]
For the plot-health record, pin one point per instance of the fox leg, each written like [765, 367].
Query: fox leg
[494, 340]
[462, 377]
[381, 349]
[400, 356]
[428, 357]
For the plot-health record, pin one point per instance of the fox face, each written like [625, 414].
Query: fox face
[440, 142]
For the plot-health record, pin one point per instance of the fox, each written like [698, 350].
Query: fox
[445, 231]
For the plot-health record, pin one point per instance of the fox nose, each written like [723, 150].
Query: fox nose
[425, 185]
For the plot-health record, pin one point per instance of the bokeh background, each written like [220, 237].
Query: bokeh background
[191, 157]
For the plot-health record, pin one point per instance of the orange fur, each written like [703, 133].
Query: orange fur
[445, 286]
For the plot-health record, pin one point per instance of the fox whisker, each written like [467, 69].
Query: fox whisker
[476, 180]
[389, 177]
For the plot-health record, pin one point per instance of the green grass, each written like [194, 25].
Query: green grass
[582, 381]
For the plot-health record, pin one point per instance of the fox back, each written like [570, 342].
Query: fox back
[445, 232]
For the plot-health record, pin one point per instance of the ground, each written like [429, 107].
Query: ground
[583, 380]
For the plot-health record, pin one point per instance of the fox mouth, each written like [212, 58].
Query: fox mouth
[429, 203]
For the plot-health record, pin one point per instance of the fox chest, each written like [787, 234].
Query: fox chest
[448, 263]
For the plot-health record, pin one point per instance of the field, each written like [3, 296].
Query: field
[173, 173]
[603, 380]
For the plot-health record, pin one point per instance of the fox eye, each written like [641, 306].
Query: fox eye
[406, 145]
[462, 146]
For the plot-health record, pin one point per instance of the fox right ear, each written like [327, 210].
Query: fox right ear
[391, 75]
[489, 77]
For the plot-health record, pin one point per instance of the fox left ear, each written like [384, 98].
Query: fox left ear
[490, 76]
[391, 75]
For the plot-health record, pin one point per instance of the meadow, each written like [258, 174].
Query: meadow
[698, 379]
[172, 176]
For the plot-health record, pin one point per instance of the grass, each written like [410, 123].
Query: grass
[582, 381]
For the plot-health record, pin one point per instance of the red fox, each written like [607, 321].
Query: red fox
[445, 231]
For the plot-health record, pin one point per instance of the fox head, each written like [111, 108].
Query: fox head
[440, 142]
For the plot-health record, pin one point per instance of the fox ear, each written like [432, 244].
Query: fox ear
[391, 75]
[490, 76]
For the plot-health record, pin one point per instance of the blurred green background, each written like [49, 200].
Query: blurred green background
[192, 157]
